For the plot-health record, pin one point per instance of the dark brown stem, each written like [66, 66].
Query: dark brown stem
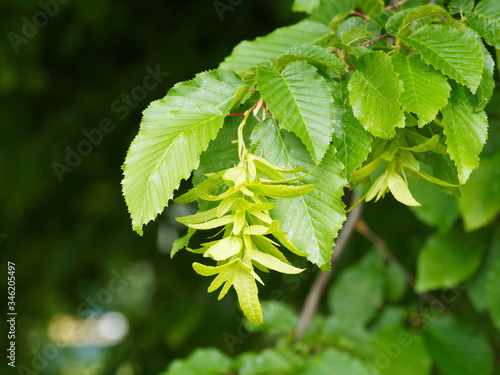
[443, 19]
[433, 2]
[359, 14]
[381, 245]
[268, 111]
[319, 285]
[373, 41]
[236, 114]
[396, 6]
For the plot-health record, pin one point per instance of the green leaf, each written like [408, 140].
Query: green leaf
[456, 24]
[337, 20]
[301, 100]
[328, 9]
[492, 293]
[497, 54]
[396, 283]
[355, 36]
[457, 6]
[367, 5]
[353, 144]
[437, 209]
[465, 129]
[374, 91]
[343, 334]
[485, 19]
[178, 367]
[457, 349]
[485, 89]
[426, 90]
[332, 361]
[306, 6]
[476, 289]
[313, 220]
[248, 54]
[443, 170]
[454, 52]
[214, 88]
[315, 55]
[395, 21]
[378, 15]
[340, 103]
[396, 351]
[359, 291]
[449, 259]
[163, 153]
[204, 361]
[209, 361]
[351, 23]
[420, 13]
[174, 131]
[480, 202]
[221, 154]
[389, 317]
[270, 362]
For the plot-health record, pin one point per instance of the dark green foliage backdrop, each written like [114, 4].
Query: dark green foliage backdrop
[69, 238]
[66, 237]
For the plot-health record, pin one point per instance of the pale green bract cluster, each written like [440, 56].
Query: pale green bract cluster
[375, 100]
[243, 212]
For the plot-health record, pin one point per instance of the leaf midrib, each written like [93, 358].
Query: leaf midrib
[413, 83]
[446, 348]
[442, 58]
[313, 151]
[484, 16]
[295, 175]
[387, 100]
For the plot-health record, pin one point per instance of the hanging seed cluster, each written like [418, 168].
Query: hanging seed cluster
[243, 214]
[400, 157]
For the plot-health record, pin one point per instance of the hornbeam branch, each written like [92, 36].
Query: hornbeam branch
[373, 41]
[382, 247]
[395, 6]
[319, 285]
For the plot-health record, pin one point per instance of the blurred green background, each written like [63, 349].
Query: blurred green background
[67, 237]
[92, 296]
